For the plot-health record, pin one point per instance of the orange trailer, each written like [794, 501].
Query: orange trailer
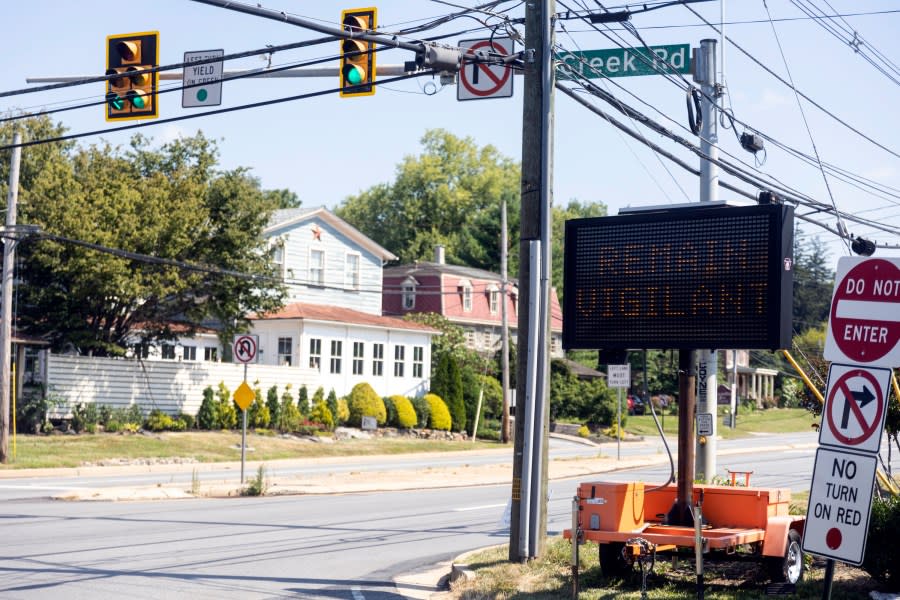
[617, 515]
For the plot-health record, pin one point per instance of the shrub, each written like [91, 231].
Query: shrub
[364, 402]
[85, 417]
[423, 411]
[446, 383]
[405, 414]
[289, 414]
[273, 405]
[228, 418]
[157, 420]
[584, 432]
[332, 402]
[303, 404]
[186, 419]
[391, 411]
[258, 414]
[321, 414]
[439, 415]
[32, 411]
[343, 411]
[880, 562]
[208, 415]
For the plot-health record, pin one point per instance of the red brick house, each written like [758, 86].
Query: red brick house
[467, 297]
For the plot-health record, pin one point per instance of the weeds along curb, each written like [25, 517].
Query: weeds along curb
[459, 568]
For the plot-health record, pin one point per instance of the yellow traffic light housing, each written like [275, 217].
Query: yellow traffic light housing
[133, 95]
[358, 56]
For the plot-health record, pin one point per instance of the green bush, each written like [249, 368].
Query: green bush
[332, 402]
[186, 419]
[32, 411]
[85, 417]
[228, 412]
[303, 400]
[391, 411]
[364, 402]
[343, 411]
[288, 415]
[446, 383]
[404, 413]
[157, 420]
[423, 411]
[880, 562]
[439, 415]
[258, 415]
[321, 415]
[273, 405]
[208, 415]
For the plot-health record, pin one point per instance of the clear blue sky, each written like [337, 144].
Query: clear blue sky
[303, 145]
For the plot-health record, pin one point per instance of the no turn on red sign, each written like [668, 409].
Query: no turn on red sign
[864, 325]
[855, 407]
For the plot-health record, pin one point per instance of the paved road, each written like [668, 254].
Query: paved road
[340, 546]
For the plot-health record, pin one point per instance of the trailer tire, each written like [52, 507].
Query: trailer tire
[788, 568]
[612, 563]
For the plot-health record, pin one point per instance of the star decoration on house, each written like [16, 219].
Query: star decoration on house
[317, 233]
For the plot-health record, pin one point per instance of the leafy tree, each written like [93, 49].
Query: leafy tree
[574, 210]
[169, 202]
[283, 198]
[813, 283]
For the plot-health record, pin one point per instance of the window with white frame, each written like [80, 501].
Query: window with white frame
[494, 299]
[337, 349]
[168, 352]
[315, 353]
[316, 267]
[358, 352]
[409, 293]
[418, 361]
[278, 257]
[211, 354]
[399, 354]
[465, 289]
[351, 271]
[285, 355]
[189, 352]
[377, 360]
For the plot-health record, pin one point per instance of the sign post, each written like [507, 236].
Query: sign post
[619, 377]
[244, 349]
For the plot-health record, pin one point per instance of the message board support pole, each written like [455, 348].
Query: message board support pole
[681, 512]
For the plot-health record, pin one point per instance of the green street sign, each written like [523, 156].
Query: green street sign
[625, 62]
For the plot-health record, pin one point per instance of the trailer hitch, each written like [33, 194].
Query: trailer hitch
[642, 552]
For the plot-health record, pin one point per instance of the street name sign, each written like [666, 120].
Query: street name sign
[618, 376]
[202, 84]
[480, 81]
[855, 407]
[864, 325]
[837, 518]
[625, 62]
[244, 348]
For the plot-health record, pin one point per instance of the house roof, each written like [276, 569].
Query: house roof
[432, 268]
[336, 314]
[582, 372]
[288, 217]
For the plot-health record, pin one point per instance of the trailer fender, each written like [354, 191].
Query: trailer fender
[777, 528]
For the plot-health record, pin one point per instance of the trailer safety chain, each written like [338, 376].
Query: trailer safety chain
[646, 554]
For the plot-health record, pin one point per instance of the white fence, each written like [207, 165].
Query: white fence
[168, 385]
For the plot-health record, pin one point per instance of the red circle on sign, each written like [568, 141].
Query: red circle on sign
[867, 428]
[834, 538]
[862, 300]
[245, 348]
[499, 82]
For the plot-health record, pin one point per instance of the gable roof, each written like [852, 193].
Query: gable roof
[336, 314]
[289, 217]
[433, 268]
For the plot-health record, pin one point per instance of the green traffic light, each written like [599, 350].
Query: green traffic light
[354, 74]
[115, 101]
[137, 98]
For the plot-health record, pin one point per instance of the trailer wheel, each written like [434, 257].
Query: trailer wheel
[788, 568]
[612, 563]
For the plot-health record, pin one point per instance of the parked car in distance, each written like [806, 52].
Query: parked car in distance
[636, 405]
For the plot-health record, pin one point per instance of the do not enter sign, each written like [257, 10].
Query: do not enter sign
[864, 327]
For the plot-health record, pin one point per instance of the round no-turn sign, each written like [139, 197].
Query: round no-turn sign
[864, 327]
[855, 407]
[245, 348]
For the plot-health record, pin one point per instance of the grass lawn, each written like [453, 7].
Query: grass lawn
[36, 451]
[773, 420]
[549, 577]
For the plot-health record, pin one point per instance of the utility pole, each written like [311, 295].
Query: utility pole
[528, 515]
[707, 363]
[504, 323]
[6, 293]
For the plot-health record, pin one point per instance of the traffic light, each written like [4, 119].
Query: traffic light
[358, 56]
[133, 95]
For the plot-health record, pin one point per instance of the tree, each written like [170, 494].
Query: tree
[449, 194]
[170, 203]
[446, 383]
[813, 283]
[574, 210]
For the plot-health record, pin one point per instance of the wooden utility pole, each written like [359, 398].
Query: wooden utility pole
[6, 301]
[528, 516]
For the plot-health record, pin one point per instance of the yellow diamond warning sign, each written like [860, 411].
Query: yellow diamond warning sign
[243, 396]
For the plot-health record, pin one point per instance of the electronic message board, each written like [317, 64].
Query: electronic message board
[703, 276]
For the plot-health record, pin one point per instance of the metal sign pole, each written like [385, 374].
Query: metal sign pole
[619, 425]
[829, 576]
[244, 433]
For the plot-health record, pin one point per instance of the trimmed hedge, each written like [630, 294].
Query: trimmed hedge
[364, 402]
[439, 417]
[405, 414]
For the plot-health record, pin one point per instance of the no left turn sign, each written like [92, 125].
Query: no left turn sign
[479, 81]
[855, 407]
